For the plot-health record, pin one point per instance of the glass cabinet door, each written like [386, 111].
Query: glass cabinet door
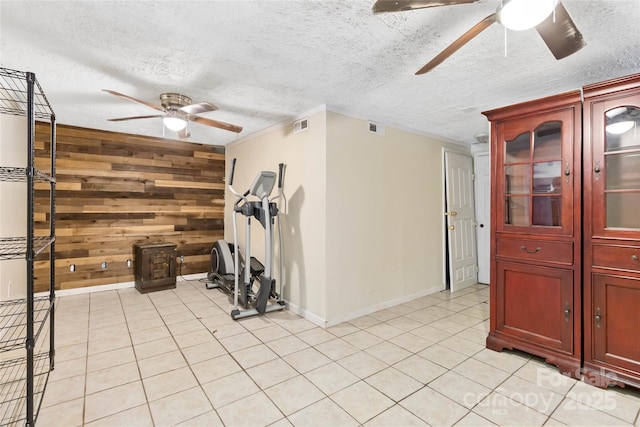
[536, 174]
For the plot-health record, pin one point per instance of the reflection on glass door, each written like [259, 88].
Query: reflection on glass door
[622, 167]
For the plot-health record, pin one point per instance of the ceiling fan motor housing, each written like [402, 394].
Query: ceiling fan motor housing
[174, 101]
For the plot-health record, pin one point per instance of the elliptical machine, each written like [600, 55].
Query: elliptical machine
[225, 257]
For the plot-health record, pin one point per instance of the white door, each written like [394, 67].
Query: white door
[482, 184]
[460, 221]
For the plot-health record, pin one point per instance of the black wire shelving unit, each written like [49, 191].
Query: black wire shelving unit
[26, 355]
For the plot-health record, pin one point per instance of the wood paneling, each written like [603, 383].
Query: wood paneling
[114, 190]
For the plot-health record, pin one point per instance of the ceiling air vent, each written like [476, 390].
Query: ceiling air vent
[301, 125]
[376, 128]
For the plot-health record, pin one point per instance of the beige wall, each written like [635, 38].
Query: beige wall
[364, 225]
[13, 203]
[303, 218]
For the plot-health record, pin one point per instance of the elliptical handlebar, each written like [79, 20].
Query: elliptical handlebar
[241, 197]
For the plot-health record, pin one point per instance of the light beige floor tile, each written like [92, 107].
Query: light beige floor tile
[481, 373]
[343, 329]
[410, 342]
[404, 323]
[100, 346]
[443, 356]
[297, 325]
[474, 420]
[68, 368]
[452, 305]
[401, 309]
[111, 377]
[256, 322]
[323, 414]
[331, 378]
[271, 333]
[384, 315]
[168, 383]
[142, 315]
[336, 349]
[430, 334]
[109, 359]
[176, 308]
[536, 397]
[179, 407]
[67, 414]
[209, 419]
[420, 369]
[161, 363]
[253, 356]
[503, 411]
[384, 331]
[189, 339]
[315, 336]
[476, 335]
[204, 351]
[239, 342]
[109, 332]
[215, 368]
[113, 400]
[460, 389]
[151, 334]
[228, 389]
[70, 352]
[546, 376]
[363, 322]
[262, 412]
[461, 345]
[388, 352]
[64, 390]
[184, 316]
[434, 408]
[508, 361]
[271, 373]
[610, 401]
[294, 394]
[429, 314]
[134, 417]
[154, 348]
[454, 323]
[362, 401]
[287, 345]
[394, 383]
[363, 339]
[394, 417]
[306, 360]
[554, 423]
[362, 364]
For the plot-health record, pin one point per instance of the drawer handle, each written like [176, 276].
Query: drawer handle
[567, 313]
[598, 318]
[524, 249]
[634, 257]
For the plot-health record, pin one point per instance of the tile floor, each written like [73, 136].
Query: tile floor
[176, 358]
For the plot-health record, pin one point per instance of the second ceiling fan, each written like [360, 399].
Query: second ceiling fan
[549, 17]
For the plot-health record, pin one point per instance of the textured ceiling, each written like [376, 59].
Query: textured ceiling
[264, 62]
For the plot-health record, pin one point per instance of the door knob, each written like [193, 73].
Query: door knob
[452, 213]
[452, 227]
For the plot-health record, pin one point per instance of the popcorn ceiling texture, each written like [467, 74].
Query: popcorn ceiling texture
[264, 62]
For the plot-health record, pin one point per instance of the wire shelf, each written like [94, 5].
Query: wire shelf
[13, 386]
[13, 321]
[16, 247]
[13, 95]
[10, 174]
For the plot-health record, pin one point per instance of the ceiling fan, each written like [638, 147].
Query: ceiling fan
[177, 110]
[549, 17]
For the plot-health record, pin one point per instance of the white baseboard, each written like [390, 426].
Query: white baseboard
[114, 286]
[381, 306]
[311, 317]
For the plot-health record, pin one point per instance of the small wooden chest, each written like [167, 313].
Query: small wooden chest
[155, 266]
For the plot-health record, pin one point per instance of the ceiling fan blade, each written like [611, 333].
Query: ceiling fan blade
[461, 41]
[216, 124]
[382, 6]
[184, 133]
[121, 119]
[200, 107]
[130, 98]
[561, 36]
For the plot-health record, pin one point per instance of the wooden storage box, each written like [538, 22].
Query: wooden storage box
[155, 266]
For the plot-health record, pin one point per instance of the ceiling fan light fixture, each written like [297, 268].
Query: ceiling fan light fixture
[521, 15]
[173, 122]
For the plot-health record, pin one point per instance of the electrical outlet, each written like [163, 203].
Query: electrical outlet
[9, 289]
[181, 259]
[104, 265]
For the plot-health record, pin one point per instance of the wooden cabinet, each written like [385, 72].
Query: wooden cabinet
[612, 232]
[535, 240]
[155, 266]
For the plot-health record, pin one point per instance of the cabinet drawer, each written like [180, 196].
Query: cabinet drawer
[535, 250]
[616, 257]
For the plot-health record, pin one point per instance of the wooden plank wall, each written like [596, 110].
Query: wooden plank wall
[114, 190]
